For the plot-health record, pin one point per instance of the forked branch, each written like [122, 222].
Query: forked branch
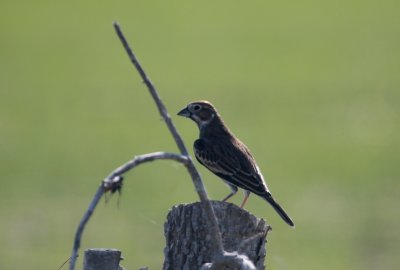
[114, 181]
[196, 178]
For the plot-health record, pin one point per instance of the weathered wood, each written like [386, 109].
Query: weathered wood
[188, 241]
[102, 259]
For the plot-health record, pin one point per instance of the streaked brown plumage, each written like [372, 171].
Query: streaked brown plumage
[226, 156]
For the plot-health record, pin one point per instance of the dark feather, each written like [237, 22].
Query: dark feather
[230, 164]
[278, 209]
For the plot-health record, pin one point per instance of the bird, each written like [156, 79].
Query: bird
[221, 152]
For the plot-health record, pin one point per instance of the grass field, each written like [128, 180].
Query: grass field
[312, 87]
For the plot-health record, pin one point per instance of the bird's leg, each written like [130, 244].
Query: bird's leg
[246, 196]
[234, 190]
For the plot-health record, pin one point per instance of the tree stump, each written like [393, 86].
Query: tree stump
[102, 259]
[188, 244]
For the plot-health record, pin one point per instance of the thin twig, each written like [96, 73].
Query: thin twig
[65, 263]
[160, 105]
[196, 178]
[109, 183]
[110, 180]
[114, 180]
[82, 224]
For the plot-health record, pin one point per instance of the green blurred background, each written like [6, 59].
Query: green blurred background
[312, 87]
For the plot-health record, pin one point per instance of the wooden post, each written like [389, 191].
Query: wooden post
[102, 259]
[188, 241]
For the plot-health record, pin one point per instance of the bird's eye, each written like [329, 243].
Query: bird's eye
[196, 107]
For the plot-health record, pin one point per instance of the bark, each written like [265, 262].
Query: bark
[102, 259]
[189, 242]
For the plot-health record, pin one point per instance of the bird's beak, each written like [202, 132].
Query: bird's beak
[185, 113]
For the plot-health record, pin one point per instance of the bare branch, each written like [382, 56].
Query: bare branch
[114, 182]
[160, 105]
[82, 224]
[196, 178]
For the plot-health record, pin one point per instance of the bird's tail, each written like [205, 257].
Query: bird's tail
[278, 209]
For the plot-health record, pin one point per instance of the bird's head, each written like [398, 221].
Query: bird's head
[202, 112]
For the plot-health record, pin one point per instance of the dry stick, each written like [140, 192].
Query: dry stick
[64, 263]
[82, 224]
[115, 179]
[110, 180]
[196, 178]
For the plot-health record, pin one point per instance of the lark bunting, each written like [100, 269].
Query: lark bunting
[226, 156]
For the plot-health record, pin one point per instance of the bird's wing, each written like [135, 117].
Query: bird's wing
[231, 162]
